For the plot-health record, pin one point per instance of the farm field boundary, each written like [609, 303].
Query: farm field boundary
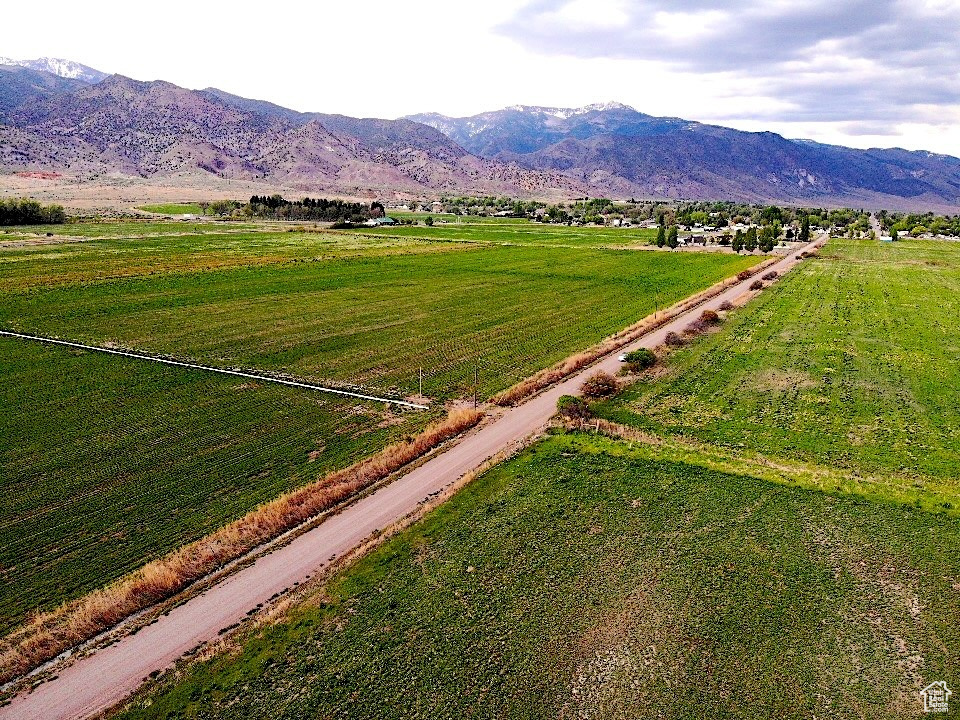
[876, 488]
[220, 607]
[207, 368]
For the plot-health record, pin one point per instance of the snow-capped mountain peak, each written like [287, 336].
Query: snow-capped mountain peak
[61, 67]
[565, 113]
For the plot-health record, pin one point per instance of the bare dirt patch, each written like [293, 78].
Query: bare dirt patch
[774, 379]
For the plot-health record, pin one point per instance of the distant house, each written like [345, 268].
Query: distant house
[437, 207]
[377, 222]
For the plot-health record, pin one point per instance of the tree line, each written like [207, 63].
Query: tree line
[277, 207]
[22, 211]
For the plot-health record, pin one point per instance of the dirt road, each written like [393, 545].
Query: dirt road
[106, 677]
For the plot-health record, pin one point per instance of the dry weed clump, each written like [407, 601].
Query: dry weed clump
[772, 275]
[673, 340]
[726, 306]
[49, 634]
[756, 285]
[709, 317]
[599, 385]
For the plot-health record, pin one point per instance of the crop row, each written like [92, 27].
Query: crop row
[107, 462]
[374, 321]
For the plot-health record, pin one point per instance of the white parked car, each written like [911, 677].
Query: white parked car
[622, 357]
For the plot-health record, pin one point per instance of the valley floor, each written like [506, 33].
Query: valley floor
[770, 532]
[108, 462]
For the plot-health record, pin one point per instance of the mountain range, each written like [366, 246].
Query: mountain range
[64, 117]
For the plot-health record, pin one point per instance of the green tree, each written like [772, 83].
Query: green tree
[661, 236]
[750, 242]
[765, 241]
[737, 243]
[672, 240]
[893, 234]
[805, 229]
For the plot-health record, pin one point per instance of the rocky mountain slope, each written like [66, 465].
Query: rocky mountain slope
[69, 125]
[615, 148]
[157, 128]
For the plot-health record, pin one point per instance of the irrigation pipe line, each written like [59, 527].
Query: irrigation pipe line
[237, 373]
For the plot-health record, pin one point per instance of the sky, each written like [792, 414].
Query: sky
[863, 73]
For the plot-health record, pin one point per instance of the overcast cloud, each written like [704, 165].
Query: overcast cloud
[856, 72]
[852, 61]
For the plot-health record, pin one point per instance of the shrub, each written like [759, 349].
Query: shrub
[726, 305]
[641, 359]
[772, 275]
[673, 340]
[572, 408]
[709, 317]
[695, 328]
[756, 285]
[743, 274]
[600, 384]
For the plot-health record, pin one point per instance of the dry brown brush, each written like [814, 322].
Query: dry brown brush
[48, 634]
[599, 385]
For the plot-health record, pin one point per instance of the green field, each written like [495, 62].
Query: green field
[106, 462]
[370, 319]
[586, 579]
[781, 541]
[852, 363]
[520, 232]
[174, 209]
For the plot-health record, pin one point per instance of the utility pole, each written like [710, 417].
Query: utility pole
[421, 381]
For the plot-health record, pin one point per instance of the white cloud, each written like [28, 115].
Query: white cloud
[807, 68]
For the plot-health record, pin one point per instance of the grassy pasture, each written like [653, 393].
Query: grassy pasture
[174, 209]
[373, 319]
[107, 462]
[588, 579]
[171, 251]
[521, 232]
[119, 229]
[852, 363]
